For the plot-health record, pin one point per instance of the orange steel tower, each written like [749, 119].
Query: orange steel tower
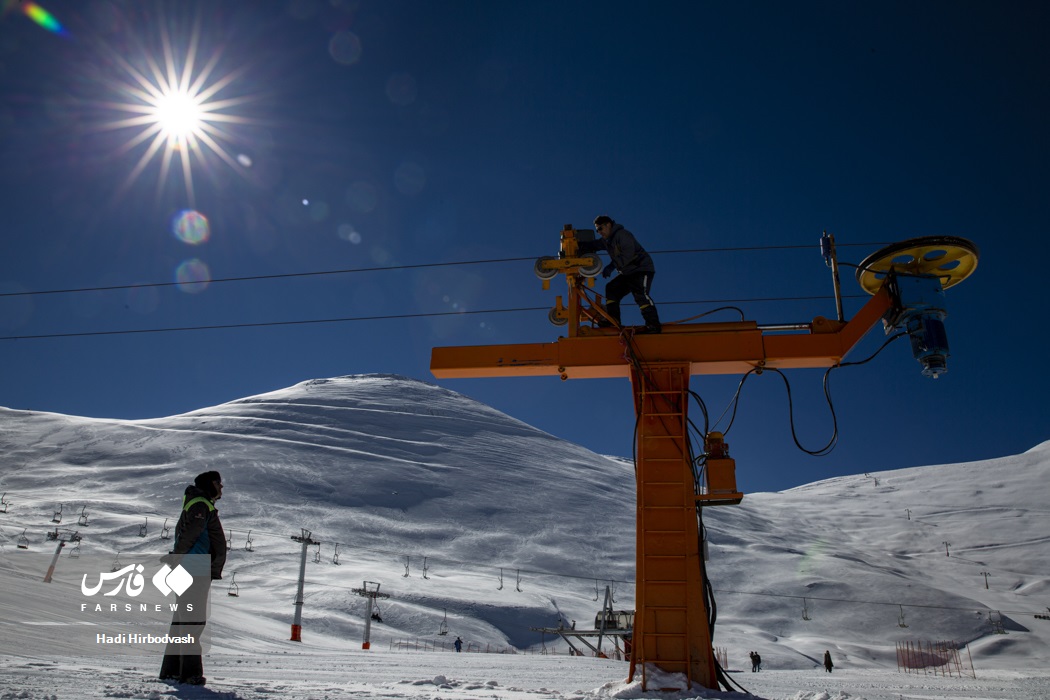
[671, 628]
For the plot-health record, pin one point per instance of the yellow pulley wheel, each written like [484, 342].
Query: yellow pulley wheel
[951, 258]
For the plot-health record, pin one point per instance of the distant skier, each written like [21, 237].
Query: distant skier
[458, 644]
[827, 661]
[198, 532]
[758, 661]
[754, 661]
[634, 265]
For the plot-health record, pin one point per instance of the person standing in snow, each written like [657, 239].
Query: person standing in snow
[198, 532]
[754, 661]
[458, 644]
[827, 661]
[635, 267]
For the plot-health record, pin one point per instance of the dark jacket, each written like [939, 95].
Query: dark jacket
[628, 256]
[199, 530]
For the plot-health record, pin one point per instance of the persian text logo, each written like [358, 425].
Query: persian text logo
[166, 580]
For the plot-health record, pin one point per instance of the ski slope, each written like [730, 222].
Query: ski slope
[473, 519]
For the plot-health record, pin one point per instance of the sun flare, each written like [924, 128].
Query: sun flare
[179, 115]
[179, 108]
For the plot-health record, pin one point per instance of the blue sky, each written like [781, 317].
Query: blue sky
[394, 134]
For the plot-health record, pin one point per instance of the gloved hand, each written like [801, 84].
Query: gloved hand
[608, 270]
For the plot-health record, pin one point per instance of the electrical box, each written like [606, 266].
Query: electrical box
[721, 475]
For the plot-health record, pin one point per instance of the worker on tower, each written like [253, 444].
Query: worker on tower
[635, 267]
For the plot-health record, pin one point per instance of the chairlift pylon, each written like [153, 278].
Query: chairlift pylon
[52, 535]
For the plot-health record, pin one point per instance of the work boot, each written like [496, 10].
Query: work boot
[613, 309]
[652, 320]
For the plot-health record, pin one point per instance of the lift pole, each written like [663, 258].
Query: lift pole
[297, 623]
[671, 629]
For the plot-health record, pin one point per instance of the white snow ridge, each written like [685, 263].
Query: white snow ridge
[474, 521]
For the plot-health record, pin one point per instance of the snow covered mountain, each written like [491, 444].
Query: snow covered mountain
[471, 518]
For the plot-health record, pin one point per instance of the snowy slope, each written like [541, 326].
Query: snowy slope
[395, 471]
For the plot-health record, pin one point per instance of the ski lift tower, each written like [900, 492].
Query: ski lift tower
[369, 590]
[671, 630]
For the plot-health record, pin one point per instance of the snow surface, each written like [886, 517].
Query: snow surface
[516, 529]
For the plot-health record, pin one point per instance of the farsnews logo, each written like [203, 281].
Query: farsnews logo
[168, 580]
[131, 580]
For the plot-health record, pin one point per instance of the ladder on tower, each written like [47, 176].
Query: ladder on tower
[672, 615]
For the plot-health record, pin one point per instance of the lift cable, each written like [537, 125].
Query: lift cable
[385, 317]
[389, 268]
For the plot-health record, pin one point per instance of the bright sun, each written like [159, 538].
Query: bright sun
[179, 115]
[176, 107]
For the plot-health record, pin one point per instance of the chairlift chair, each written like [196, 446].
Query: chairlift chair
[248, 545]
[58, 514]
[376, 614]
[4, 503]
[23, 541]
[443, 628]
[74, 551]
[317, 554]
[335, 557]
[82, 521]
[143, 528]
[234, 590]
[116, 563]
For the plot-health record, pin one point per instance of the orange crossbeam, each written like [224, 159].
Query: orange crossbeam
[708, 348]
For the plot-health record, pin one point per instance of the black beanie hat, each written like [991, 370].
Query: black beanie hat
[205, 482]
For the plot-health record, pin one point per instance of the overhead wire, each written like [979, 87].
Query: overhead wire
[384, 268]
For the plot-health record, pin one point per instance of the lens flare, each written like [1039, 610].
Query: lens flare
[191, 227]
[193, 276]
[43, 18]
